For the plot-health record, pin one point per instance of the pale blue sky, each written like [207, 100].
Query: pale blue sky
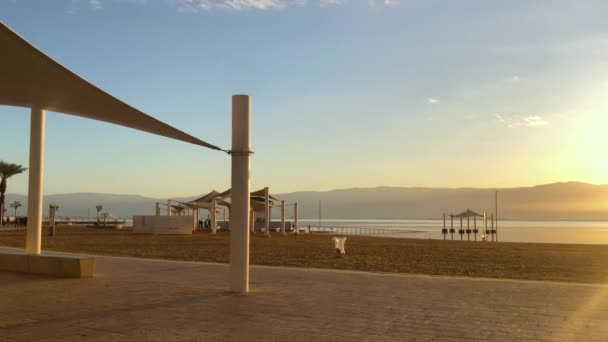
[346, 93]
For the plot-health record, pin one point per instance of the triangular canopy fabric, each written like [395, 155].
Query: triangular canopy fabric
[467, 213]
[257, 199]
[29, 78]
[262, 193]
[206, 198]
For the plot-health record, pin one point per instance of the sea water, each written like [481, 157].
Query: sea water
[578, 232]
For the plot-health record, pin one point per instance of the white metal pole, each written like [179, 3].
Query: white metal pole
[492, 227]
[452, 225]
[169, 211]
[496, 210]
[213, 217]
[295, 216]
[239, 213]
[252, 221]
[485, 224]
[267, 213]
[36, 182]
[283, 217]
[194, 219]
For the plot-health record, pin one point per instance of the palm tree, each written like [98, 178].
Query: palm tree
[98, 207]
[7, 170]
[16, 206]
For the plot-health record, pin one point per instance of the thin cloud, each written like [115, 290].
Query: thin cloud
[535, 121]
[516, 121]
[96, 4]
[198, 6]
[325, 3]
[387, 3]
[72, 7]
[432, 100]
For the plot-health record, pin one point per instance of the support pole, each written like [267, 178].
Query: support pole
[214, 217]
[195, 219]
[295, 217]
[252, 221]
[157, 209]
[36, 182]
[267, 212]
[492, 228]
[460, 231]
[475, 227]
[283, 217]
[239, 213]
[496, 210]
[444, 228]
[485, 226]
[452, 226]
[52, 211]
[169, 211]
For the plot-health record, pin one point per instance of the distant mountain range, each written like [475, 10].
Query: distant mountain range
[558, 201]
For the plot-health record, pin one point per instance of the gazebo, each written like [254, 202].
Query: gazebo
[261, 204]
[210, 202]
[467, 214]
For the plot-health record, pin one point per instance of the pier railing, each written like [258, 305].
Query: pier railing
[359, 231]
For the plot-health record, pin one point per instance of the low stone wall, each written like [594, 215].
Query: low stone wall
[173, 225]
[50, 265]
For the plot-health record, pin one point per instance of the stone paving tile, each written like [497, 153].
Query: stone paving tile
[154, 300]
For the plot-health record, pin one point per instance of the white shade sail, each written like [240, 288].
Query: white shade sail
[30, 78]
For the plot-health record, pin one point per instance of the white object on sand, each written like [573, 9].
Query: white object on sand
[339, 245]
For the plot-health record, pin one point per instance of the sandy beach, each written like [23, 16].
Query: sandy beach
[556, 262]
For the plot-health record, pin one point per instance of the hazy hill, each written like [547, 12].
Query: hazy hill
[559, 201]
[83, 204]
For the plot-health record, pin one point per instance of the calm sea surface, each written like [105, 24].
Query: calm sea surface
[585, 232]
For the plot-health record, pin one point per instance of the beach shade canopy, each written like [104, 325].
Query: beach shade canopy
[30, 78]
[261, 194]
[467, 213]
[206, 201]
[257, 198]
[206, 198]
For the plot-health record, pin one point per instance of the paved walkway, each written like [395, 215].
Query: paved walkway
[152, 300]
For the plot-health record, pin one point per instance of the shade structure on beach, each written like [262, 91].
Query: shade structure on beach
[467, 213]
[261, 202]
[30, 78]
[206, 201]
[255, 197]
